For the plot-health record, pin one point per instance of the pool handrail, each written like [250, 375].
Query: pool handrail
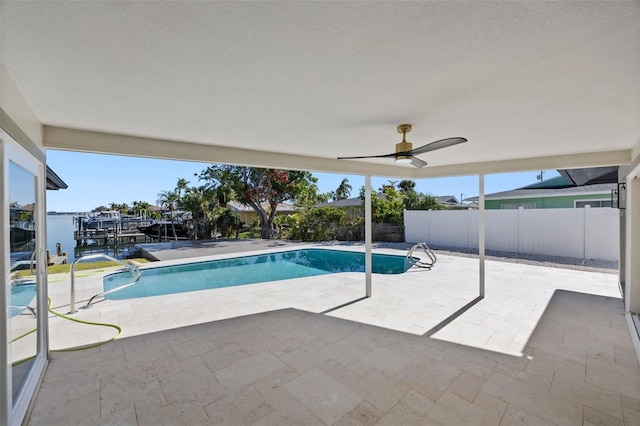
[30, 262]
[23, 307]
[415, 261]
[136, 279]
[132, 268]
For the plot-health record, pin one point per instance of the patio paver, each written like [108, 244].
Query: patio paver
[560, 355]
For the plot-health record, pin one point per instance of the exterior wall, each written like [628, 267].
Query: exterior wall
[588, 233]
[15, 107]
[564, 202]
[249, 217]
[21, 137]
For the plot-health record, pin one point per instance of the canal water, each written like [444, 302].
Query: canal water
[60, 230]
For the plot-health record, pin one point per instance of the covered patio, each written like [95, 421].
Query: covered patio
[545, 346]
[292, 85]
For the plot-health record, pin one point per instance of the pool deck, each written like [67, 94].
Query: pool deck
[190, 249]
[545, 346]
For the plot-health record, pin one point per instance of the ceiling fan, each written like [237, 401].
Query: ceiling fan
[405, 153]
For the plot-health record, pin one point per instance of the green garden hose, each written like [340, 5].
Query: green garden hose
[76, 348]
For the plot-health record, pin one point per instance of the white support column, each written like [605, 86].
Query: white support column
[622, 257]
[481, 223]
[367, 234]
[632, 279]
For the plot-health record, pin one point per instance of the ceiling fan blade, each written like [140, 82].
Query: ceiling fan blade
[418, 162]
[442, 143]
[368, 156]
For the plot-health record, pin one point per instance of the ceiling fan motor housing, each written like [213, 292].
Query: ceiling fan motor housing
[404, 146]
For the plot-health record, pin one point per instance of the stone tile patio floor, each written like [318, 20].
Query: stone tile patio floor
[545, 346]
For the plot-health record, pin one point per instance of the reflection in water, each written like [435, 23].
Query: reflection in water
[23, 299]
[344, 261]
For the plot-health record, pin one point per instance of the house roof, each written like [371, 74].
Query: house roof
[357, 201]
[601, 188]
[348, 202]
[583, 181]
[240, 207]
[297, 84]
[447, 199]
[54, 182]
[587, 176]
[553, 183]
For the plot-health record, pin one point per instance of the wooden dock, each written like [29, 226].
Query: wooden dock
[59, 258]
[106, 237]
[56, 259]
[115, 237]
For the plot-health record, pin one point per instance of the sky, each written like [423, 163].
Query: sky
[96, 179]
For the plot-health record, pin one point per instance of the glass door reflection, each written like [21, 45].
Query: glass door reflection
[22, 312]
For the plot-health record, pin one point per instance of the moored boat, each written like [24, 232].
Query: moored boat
[162, 230]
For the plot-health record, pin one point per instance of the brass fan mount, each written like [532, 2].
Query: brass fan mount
[404, 146]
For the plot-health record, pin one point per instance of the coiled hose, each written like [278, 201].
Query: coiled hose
[76, 348]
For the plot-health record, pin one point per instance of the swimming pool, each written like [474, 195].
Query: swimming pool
[21, 295]
[248, 270]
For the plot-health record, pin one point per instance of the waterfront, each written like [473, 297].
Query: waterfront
[60, 229]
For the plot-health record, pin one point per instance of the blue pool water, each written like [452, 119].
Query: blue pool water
[21, 296]
[248, 270]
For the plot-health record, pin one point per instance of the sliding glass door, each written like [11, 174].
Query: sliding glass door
[24, 275]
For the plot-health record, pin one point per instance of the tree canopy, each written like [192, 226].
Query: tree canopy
[393, 198]
[257, 186]
[169, 200]
[343, 191]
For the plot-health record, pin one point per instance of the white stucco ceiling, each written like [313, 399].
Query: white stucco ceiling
[520, 80]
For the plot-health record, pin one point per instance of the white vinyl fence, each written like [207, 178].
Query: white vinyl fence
[589, 233]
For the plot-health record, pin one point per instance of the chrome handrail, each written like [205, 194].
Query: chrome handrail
[419, 263]
[132, 268]
[19, 263]
[136, 279]
[32, 261]
[23, 307]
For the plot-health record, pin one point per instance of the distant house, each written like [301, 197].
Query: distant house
[447, 200]
[355, 205]
[248, 215]
[452, 203]
[572, 189]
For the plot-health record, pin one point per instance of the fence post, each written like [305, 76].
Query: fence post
[430, 226]
[587, 212]
[469, 227]
[519, 225]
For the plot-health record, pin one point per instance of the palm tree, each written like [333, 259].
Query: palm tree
[122, 208]
[223, 194]
[227, 222]
[169, 200]
[407, 185]
[139, 207]
[200, 206]
[343, 191]
[181, 186]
